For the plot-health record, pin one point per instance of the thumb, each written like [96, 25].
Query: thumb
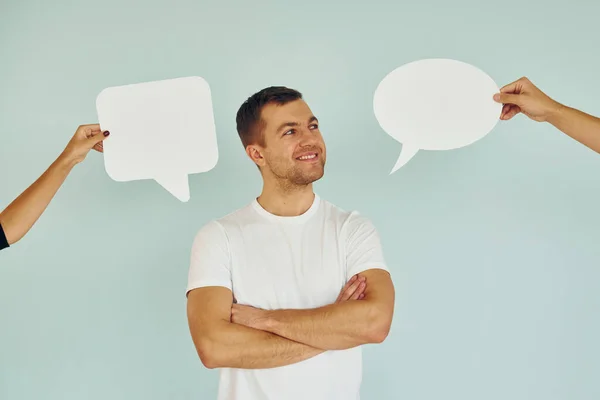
[508, 98]
[97, 138]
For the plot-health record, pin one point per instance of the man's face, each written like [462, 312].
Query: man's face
[294, 151]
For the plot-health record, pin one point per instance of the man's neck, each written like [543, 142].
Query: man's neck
[286, 202]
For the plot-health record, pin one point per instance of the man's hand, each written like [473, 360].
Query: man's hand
[354, 289]
[337, 326]
[222, 344]
[249, 316]
[86, 137]
[253, 317]
[522, 96]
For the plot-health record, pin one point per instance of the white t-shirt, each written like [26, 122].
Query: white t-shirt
[273, 262]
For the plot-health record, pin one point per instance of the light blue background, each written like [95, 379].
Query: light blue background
[494, 247]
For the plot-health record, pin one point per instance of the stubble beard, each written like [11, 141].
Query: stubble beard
[296, 178]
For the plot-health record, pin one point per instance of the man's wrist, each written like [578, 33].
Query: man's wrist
[267, 322]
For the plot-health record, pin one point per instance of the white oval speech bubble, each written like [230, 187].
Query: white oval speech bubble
[436, 104]
[162, 130]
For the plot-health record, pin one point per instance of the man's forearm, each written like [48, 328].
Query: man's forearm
[333, 327]
[580, 126]
[18, 218]
[238, 346]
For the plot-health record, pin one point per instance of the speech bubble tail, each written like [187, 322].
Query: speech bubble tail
[177, 185]
[406, 154]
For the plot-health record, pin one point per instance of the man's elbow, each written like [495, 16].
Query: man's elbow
[208, 355]
[378, 333]
[379, 327]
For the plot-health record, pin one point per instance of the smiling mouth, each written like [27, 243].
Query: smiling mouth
[308, 157]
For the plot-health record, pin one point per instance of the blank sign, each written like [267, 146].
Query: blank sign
[161, 130]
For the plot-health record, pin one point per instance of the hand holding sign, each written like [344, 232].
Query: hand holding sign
[161, 130]
[436, 104]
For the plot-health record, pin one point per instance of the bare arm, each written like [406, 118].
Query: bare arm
[223, 344]
[338, 326]
[522, 96]
[18, 218]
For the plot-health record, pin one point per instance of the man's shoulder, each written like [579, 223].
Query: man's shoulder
[344, 216]
[220, 225]
[237, 217]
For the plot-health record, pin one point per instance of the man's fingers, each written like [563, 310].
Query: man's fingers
[346, 286]
[348, 292]
[359, 291]
[357, 287]
[353, 290]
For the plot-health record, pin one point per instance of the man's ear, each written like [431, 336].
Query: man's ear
[256, 154]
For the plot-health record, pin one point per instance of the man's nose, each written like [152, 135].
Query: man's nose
[308, 137]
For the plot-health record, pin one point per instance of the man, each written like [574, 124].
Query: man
[283, 292]
[18, 218]
[522, 96]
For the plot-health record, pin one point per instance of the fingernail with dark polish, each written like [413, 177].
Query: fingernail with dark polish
[106, 133]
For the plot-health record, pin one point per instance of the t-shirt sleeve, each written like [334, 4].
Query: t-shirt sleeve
[363, 246]
[3, 240]
[210, 260]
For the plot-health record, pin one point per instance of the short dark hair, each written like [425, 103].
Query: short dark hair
[248, 119]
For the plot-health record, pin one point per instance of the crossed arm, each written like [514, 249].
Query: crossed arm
[223, 344]
[337, 326]
[234, 336]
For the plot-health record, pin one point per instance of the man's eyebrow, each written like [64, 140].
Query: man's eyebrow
[287, 124]
[293, 124]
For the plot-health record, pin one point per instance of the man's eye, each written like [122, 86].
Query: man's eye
[290, 131]
[314, 126]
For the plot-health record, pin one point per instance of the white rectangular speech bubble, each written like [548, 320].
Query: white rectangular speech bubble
[161, 130]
